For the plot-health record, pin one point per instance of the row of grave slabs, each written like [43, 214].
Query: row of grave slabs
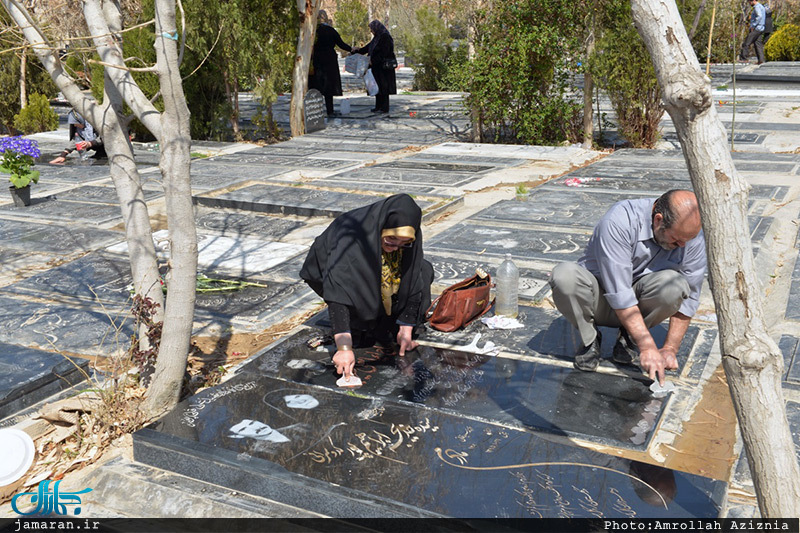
[80, 307]
[449, 432]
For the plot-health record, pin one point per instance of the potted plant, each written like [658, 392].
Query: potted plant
[17, 160]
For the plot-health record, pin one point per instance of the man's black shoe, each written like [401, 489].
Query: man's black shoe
[589, 356]
[625, 352]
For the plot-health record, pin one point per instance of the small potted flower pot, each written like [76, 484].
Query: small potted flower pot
[17, 159]
[21, 195]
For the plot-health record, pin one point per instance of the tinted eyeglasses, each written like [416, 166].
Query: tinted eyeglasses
[391, 241]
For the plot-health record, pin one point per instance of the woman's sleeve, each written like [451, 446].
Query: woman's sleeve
[340, 317]
[410, 315]
[340, 43]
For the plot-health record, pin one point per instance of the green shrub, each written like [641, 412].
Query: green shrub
[784, 45]
[36, 116]
[622, 67]
[428, 46]
[519, 78]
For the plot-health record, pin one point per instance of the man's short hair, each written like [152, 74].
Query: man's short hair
[664, 207]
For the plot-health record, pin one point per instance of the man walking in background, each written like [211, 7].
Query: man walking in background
[758, 17]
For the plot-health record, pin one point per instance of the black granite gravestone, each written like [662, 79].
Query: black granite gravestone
[28, 376]
[610, 409]
[314, 104]
[343, 455]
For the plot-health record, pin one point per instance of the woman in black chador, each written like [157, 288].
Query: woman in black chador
[324, 75]
[368, 266]
[382, 61]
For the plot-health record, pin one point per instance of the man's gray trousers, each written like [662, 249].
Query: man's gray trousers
[579, 297]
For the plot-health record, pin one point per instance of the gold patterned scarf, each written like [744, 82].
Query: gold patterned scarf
[390, 277]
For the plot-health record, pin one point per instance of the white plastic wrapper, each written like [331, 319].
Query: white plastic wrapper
[371, 84]
[356, 64]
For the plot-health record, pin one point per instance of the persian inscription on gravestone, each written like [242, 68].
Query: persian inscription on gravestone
[314, 104]
[325, 450]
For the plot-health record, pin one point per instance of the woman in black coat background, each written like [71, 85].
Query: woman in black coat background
[381, 55]
[324, 76]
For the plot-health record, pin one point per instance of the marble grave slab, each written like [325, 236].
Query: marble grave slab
[346, 455]
[793, 303]
[28, 376]
[50, 238]
[52, 209]
[521, 243]
[434, 166]
[400, 177]
[250, 158]
[99, 194]
[236, 256]
[234, 224]
[297, 201]
[95, 277]
[790, 348]
[84, 331]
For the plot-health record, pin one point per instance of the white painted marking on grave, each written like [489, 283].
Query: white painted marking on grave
[300, 401]
[502, 243]
[491, 232]
[253, 429]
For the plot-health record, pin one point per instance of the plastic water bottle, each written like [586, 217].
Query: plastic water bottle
[82, 153]
[507, 279]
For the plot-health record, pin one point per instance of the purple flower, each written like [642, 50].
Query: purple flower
[21, 146]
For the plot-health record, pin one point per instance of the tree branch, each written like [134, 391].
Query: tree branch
[123, 67]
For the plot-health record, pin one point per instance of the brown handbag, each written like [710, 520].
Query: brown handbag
[460, 304]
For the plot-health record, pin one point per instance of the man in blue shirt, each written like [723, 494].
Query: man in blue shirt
[644, 263]
[758, 18]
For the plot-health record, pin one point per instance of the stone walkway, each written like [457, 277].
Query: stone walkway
[445, 416]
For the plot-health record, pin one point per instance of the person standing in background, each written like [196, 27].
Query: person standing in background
[382, 61]
[324, 75]
[758, 18]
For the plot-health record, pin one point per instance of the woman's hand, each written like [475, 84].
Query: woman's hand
[405, 341]
[345, 361]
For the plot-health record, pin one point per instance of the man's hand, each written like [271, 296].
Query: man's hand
[654, 364]
[670, 358]
[405, 341]
[345, 361]
[60, 160]
[83, 145]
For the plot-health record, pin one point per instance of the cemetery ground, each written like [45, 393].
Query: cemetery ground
[448, 430]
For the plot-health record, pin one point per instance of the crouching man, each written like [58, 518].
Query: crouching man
[644, 263]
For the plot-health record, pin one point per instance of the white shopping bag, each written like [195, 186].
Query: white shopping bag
[369, 81]
[356, 64]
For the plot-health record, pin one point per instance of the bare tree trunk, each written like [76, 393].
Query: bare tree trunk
[752, 361]
[164, 391]
[305, 42]
[144, 268]
[124, 174]
[696, 21]
[588, 89]
[23, 68]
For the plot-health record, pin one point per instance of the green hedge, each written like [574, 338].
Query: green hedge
[784, 45]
